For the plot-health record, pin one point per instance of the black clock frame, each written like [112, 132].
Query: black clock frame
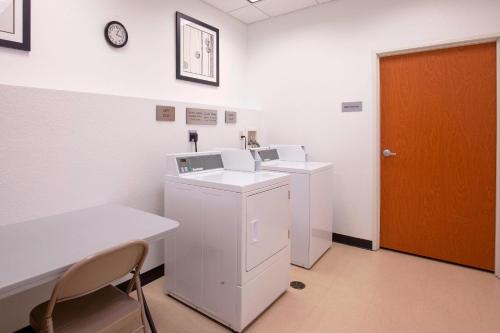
[106, 36]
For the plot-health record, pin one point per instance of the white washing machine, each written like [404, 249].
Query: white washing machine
[230, 256]
[311, 200]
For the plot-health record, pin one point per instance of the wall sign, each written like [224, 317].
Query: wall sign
[15, 24]
[165, 113]
[201, 116]
[352, 107]
[197, 51]
[231, 117]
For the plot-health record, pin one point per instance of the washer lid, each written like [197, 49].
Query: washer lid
[234, 181]
[296, 167]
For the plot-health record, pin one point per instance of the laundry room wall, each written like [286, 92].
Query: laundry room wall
[69, 52]
[77, 117]
[63, 151]
[302, 66]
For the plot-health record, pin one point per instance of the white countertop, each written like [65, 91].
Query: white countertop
[38, 251]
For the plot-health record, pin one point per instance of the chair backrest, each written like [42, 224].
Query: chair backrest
[99, 270]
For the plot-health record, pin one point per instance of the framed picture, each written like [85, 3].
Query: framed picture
[197, 51]
[15, 24]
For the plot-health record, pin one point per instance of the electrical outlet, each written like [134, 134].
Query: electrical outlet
[193, 136]
[252, 135]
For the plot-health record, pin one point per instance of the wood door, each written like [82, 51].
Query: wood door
[438, 114]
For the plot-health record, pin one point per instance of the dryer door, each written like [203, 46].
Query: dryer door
[267, 225]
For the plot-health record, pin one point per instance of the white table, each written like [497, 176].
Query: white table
[38, 251]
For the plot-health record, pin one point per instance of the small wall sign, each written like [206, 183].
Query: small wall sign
[165, 113]
[231, 117]
[352, 107]
[201, 116]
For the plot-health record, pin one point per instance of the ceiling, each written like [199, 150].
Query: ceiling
[253, 12]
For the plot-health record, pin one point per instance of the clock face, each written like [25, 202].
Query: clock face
[116, 34]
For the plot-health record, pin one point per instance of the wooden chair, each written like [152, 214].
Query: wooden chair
[84, 300]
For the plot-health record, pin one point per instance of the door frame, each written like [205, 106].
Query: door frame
[377, 156]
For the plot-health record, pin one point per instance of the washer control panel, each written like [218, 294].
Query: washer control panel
[190, 164]
[269, 155]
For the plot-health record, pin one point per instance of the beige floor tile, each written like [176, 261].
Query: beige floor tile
[355, 290]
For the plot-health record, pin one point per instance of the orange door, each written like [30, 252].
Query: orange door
[438, 114]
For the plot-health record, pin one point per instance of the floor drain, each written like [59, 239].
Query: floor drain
[297, 285]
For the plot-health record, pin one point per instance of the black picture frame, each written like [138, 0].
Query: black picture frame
[179, 76]
[26, 43]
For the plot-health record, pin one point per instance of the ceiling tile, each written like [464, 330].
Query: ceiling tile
[280, 7]
[227, 5]
[249, 14]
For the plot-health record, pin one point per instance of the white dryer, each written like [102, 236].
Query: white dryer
[311, 200]
[230, 256]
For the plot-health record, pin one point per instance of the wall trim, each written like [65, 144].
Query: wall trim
[146, 278]
[352, 241]
[377, 113]
[439, 45]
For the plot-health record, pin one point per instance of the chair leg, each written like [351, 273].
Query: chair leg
[146, 314]
[47, 326]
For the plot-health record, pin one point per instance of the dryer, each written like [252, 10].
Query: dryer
[311, 200]
[230, 256]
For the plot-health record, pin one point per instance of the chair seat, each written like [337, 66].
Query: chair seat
[106, 310]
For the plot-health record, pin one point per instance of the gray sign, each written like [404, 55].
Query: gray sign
[201, 116]
[165, 113]
[352, 106]
[231, 117]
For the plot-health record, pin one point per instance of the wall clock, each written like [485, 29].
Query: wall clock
[115, 33]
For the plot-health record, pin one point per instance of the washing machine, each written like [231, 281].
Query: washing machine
[311, 200]
[230, 256]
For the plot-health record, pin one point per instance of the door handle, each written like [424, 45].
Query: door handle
[388, 153]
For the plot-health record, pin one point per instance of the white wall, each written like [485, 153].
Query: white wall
[63, 150]
[69, 51]
[53, 158]
[49, 146]
[304, 65]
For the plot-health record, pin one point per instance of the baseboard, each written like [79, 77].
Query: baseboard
[146, 278]
[352, 241]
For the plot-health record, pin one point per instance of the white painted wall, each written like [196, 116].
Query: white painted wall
[69, 51]
[63, 150]
[304, 65]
